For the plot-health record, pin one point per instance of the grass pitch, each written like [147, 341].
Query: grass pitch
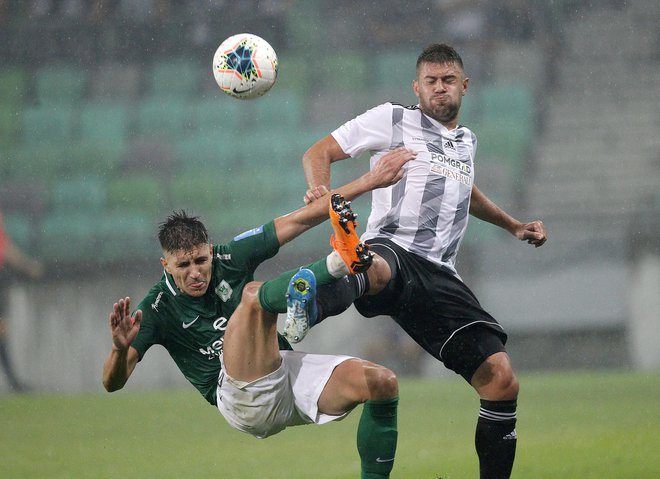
[570, 425]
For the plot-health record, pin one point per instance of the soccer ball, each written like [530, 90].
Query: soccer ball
[245, 66]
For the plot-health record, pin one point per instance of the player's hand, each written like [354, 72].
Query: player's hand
[315, 193]
[533, 232]
[389, 168]
[123, 326]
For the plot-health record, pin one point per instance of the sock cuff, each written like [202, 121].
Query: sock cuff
[498, 411]
[265, 305]
[382, 407]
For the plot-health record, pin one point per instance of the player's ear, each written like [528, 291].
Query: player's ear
[163, 261]
[415, 87]
[466, 81]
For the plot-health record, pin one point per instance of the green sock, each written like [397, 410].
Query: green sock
[376, 438]
[272, 294]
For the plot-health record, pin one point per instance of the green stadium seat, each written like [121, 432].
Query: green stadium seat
[395, 69]
[20, 228]
[153, 155]
[280, 150]
[60, 84]
[137, 193]
[35, 160]
[280, 110]
[200, 193]
[100, 157]
[175, 79]
[10, 119]
[69, 237]
[126, 236]
[51, 123]
[470, 113]
[507, 102]
[13, 86]
[344, 72]
[161, 117]
[116, 82]
[102, 121]
[216, 113]
[294, 74]
[218, 151]
[507, 142]
[82, 193]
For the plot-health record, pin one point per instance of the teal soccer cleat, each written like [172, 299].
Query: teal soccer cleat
[301, 310]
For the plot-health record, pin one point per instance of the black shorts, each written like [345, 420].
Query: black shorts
[436, 309]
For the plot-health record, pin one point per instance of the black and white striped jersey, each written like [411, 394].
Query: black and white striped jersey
[426, 212]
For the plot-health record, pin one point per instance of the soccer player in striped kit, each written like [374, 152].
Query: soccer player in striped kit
[417, 225]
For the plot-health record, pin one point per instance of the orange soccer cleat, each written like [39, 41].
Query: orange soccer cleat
[345, 241]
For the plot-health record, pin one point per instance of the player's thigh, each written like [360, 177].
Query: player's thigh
[250, 348]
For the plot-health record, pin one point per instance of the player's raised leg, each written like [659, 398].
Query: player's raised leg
[251, 349]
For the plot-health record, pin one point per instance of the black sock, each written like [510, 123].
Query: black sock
[335, 298]
[495, 438]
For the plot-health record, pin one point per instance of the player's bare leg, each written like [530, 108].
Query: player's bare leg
[355, 381]
[358, 381]
[250, 349]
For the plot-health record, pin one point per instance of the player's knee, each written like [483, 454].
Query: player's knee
[505, 385]
[495, 379]
[250, 296]
[381, 382]
[379, 275]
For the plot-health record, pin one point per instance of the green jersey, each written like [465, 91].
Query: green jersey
[192, 329]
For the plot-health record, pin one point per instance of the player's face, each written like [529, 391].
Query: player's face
[440, 88]
[191, 269]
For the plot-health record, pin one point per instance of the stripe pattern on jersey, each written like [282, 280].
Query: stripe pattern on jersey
[430, 227]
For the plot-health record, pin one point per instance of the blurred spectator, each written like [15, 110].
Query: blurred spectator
[12, 256]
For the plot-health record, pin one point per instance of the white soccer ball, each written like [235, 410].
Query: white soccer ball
[245, 66]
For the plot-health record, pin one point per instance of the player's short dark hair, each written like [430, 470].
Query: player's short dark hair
[439, 53]
[181, 232]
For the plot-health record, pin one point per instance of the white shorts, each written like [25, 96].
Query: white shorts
[286, 397]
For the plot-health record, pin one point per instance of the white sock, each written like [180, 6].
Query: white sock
[336, 266]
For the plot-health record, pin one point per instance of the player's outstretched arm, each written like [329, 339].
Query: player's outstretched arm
[387, 171]
[316, 164]
[121, 361]
[483, 208]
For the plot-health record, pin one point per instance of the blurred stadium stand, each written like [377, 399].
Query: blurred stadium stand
[109, 119]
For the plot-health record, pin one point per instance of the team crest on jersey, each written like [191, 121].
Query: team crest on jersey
[224, 291]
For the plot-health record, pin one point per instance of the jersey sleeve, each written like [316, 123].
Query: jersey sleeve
[253, 247]
[370, 131]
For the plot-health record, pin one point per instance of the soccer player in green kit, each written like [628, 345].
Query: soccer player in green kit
[220, 328]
